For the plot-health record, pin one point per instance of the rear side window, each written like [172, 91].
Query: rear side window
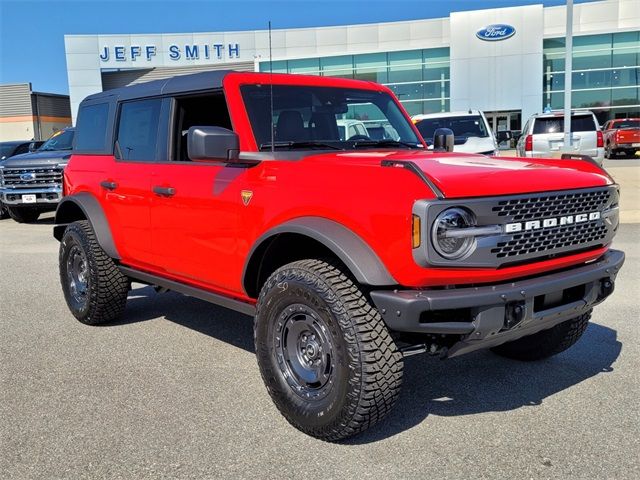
[579, 123]
[138, 130]
[91, 129]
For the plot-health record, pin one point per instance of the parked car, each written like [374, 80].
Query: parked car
[543, 136]
[17, 147]
[472, 133]
[380, 130]
[621, 136]
[350, 254]
[31, 183]
[348, 129]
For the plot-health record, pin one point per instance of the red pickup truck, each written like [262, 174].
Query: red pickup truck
[621, 136]
[351, 252]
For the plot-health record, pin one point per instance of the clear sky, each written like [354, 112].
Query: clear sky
[32, 32]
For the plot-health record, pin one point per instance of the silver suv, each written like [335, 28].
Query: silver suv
[542, 136]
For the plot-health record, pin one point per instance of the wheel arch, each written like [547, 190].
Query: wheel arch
[310, 237]
[84, 206]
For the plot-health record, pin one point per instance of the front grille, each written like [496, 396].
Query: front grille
[539, 241]
[43, 177]
[541, 226]
[553, 205]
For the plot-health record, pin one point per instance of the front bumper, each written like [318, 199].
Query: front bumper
[47, 196]
[487, 316]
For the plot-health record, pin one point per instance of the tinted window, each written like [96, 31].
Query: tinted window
[626, 124]
[467, 126]
[579, 123]
[138, 129]
[92, 127]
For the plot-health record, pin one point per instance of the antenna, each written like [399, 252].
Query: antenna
[271, 91]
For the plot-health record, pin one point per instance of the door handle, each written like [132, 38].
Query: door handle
[108, 185]
[164, 191]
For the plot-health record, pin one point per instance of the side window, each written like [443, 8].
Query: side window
[197, 111]
[91, 128]
[138, 130]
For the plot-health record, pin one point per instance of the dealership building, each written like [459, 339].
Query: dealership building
[508, 62]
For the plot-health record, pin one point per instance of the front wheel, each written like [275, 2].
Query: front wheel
[546, 343]
[95, 290]
[4, 213]
[325, 354]
[23, 215]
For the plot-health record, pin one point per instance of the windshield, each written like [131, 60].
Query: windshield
[462, 127]
[325, 117]
[62, 140]
[626, 124]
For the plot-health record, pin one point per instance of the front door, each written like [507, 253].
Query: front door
[195, 206]
[194, 216]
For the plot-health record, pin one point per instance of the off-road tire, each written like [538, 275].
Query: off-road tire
[107, 287]
[23, 215]
[546, 343]
[4, 213]
[368, 366]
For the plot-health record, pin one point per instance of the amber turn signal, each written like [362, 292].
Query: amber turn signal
[415, 231]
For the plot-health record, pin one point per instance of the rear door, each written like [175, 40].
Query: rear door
[126, 186]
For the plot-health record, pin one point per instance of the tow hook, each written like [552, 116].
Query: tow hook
[513, 314]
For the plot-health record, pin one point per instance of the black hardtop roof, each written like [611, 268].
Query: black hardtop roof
[179, 84]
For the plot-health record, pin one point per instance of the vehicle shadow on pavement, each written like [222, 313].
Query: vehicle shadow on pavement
[483, 382]
[476, 383]
[225, 325]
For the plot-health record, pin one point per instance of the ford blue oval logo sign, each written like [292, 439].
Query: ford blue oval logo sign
[493, 33]
[28, 177]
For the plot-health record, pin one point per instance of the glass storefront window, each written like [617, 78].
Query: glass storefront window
[306, 65]
[436, 71]
[279, 66]
[594, 59]
[625, 77]
[372, 67]
[341, 66]
[405, 66]
[625, 96]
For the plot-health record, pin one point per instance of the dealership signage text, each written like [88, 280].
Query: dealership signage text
[134, 53]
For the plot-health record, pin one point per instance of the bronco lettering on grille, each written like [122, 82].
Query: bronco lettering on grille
[551, 222]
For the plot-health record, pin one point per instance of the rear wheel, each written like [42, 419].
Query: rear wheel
[546, 343]
[325, 355]
[95, 290]
[23, 215]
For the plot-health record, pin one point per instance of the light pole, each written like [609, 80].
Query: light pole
[568, 62]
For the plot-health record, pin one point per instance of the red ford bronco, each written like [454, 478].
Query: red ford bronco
[351, 252]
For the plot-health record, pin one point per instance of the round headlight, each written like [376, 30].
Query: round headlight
[445, 240]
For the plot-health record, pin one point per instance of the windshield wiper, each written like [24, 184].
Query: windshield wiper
[385, 143]
[293, 144]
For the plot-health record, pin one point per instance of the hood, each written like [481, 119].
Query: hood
[34, 159]
[460, 175]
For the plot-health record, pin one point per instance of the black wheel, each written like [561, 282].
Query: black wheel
[94, 288]
[4, 213]
[325, 355]
[23, 215]
[546, 343]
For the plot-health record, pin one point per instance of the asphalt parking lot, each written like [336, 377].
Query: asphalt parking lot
[173, 391]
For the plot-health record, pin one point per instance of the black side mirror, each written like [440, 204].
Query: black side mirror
[504, 135]
[213, 143]
[443, 140]
[33, 146]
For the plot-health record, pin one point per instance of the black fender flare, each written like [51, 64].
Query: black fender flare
[66, 213]
[355, 253]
